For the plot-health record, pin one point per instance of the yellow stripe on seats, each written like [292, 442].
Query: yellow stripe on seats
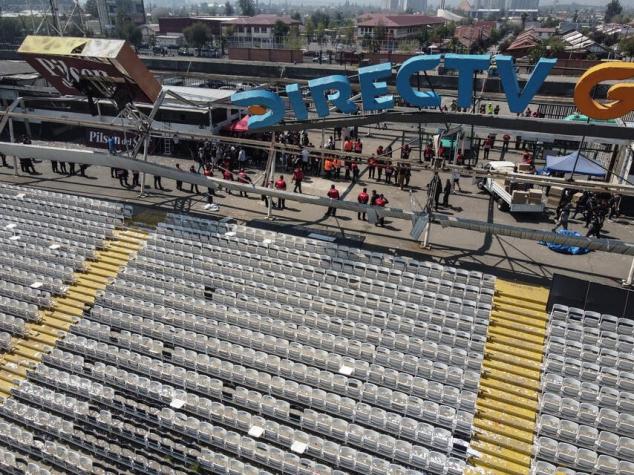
[54, 322]
[506, 407]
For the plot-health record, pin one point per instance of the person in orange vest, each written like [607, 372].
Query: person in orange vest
[381, 201]
[333, 194]
[371, 166]
[227, 175]
[328, 167]
[244, 179]
[280, 184]
[347, 145]
[337, 164]
[298, 177]
[363, 199]
[358, 146]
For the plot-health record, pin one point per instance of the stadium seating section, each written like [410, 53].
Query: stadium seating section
[207, 347]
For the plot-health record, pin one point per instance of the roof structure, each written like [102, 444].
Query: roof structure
[524, 41]
[467, 35]
[577, 42]
[263, 20]
[397, 21]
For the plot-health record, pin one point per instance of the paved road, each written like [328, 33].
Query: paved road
[507, 257]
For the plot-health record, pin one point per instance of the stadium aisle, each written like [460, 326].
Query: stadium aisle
[506, 408]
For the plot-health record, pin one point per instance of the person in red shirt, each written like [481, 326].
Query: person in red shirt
[488, 143]
[280, 184]
[298, 177]
[244, 179]
[227, 175]
[459, 158]
[210, 191]
[428, 153]
[371, 166]
[379, 151]
[358, 146]
[333, 194]
[441, 152]
[526, 157]
[363, 199]
[355, 171]
[381, 201]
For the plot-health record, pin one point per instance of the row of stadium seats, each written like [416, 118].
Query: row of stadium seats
[586, 422]
[44, 239]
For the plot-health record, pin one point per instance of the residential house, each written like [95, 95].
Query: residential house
[579, 45]
[395, 28]
[543, 33]
[523, 43]
[176, 24]
[257, 31]
[469, 35]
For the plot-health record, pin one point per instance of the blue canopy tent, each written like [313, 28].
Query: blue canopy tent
[566, 163]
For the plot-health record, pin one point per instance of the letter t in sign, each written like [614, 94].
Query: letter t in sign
[466, 64]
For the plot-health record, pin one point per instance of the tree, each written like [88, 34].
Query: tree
[293, 40]
[280, 30]
[91, 8]
[320, 17]
[127, 30]
[321, 33]
[613, 9]
[309, 28]
[197, 35]
[626, 46]
[296, 16]
[247, 7]
[11, 30]
[228, 9]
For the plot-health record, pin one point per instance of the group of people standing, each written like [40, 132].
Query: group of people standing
[594, 207]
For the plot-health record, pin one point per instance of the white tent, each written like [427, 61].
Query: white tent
[566, 163]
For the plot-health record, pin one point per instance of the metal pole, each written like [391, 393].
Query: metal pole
[630, 276]
[269, 182]
[146, 144]
[425, 243]
[12, 136]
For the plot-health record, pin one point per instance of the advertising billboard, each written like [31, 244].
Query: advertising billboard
[336, 90]
[91, 67]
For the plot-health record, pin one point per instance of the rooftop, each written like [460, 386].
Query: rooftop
[263, 20]
[396, 21]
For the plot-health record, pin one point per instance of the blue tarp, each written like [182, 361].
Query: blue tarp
[565, 163]
[563, 248]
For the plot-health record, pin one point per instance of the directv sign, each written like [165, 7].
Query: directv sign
[336, 89]
[374, 88]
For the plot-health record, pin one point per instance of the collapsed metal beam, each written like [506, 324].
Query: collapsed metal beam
[494, 122]
[98, 158]
[240, 141]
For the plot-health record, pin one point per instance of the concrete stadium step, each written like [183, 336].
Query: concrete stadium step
[506, 407]
[26, 350]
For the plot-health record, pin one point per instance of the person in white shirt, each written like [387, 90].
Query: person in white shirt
[305, 158]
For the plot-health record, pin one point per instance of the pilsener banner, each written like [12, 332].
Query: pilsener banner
[336, 89]
[66, 62]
